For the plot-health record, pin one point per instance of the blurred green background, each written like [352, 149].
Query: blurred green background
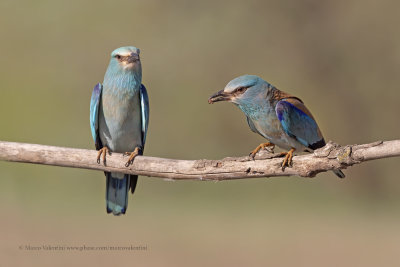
[341, 57]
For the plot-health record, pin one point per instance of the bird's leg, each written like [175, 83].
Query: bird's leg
[288, 158]
[261, 146]
[103, 151]
[132, 156]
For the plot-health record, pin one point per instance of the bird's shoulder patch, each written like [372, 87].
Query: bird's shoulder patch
[298, 104]
[279, 95]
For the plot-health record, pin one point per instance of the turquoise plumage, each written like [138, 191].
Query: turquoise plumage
[119, 117]
[279, 117]
[297, 124]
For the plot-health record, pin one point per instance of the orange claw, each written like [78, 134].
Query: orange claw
[261, 146]
[288, 158]
[132, 156]
[103, 151]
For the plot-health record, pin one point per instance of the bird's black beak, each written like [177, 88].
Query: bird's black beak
[219, 96]
[133, 57]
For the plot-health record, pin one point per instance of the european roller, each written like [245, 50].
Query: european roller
[281, 118]
[119, 116]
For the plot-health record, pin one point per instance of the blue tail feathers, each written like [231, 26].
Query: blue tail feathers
[117, 191]
[339, 173]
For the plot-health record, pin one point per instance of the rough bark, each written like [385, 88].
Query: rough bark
[265, 164]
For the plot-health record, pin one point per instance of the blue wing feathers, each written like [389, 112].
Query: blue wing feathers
[297, 122]
[144, 104]
[299, 125]
[94, 114]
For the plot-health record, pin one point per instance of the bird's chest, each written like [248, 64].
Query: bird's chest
[267, 123]
[264, 119]
[120, 108]
[120, 120]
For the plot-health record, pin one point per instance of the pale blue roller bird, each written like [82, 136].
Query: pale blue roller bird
[279, 117]
[119, 117]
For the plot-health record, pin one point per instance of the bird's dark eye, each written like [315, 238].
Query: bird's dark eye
[241, 89]
[118, 57]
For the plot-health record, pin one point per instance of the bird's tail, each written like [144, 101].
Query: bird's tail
[338, 173]
[117, 189]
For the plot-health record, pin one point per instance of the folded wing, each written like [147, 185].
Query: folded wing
[94, 114]
[297, 122]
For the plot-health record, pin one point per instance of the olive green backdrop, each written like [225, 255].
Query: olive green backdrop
[341, 57]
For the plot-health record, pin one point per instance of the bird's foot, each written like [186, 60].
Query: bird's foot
[103, 151]
[287, 161]
[261, 146]
[132, 156]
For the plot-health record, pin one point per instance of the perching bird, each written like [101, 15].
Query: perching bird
[119, 116]
[279, 117]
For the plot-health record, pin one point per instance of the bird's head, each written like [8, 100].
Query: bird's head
[239, 90]
[126, 58]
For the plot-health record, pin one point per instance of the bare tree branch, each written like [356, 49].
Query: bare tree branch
[265, 164]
